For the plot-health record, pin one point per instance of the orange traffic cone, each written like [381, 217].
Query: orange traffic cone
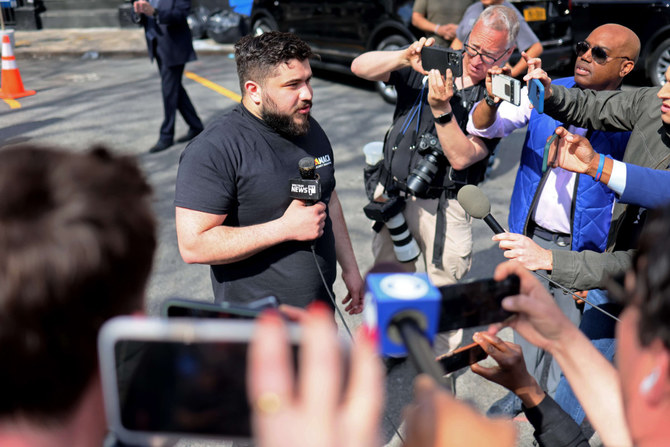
[11, 86]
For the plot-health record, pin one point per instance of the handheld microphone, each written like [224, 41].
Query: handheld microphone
[408, 310]
[392, 297]
[307, 187]
[405, 309]
[476, 204]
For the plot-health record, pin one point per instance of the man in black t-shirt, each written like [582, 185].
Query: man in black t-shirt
[233, 209]
[427, 102]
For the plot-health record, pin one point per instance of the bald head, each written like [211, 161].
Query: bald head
[621, 47]
[623, 40]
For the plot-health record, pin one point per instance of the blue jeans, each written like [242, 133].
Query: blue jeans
[599, 328]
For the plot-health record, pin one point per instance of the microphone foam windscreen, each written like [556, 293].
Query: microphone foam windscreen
[306, 163]
[474, 202]
[306, 166]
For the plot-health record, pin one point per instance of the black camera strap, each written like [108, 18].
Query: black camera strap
[440, 231]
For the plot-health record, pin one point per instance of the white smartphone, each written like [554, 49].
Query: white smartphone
[165, 379]
[507, 88]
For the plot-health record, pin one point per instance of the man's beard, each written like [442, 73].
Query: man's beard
[283, 123]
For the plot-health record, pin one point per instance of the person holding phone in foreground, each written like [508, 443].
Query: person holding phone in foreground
[77, 239]
[430, 108]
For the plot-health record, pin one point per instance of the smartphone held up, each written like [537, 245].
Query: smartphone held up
[164, 379]
[440, 59]
[507, 88]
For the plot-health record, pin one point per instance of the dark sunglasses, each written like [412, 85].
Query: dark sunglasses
[598, 54]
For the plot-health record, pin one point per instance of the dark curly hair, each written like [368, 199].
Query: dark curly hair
[652, 278]
[77, 238]
[258, 57]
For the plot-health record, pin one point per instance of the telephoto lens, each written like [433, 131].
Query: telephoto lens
[405, 246]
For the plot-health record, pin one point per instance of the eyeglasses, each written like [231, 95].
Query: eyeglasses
[598, 54]
[486, 58]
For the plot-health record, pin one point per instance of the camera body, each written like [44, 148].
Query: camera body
[423, 174]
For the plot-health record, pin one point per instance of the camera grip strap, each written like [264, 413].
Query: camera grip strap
[440, 231]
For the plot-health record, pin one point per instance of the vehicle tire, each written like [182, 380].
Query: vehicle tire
[390, 43]
[264, 24]
[659, 61]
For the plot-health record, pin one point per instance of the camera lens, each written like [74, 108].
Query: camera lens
[422, 175]
[404, 245]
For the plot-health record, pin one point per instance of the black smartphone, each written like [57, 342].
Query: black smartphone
[442, 58]
[475, 303]
[178, 307]
[462, 357]
[178, 377]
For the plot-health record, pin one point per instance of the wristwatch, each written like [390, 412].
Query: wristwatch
[444, 118]
[490, 101]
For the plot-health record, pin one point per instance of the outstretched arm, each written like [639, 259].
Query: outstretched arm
[524, 250]
[637, 185]
[461, 150]
[593, 379]
[378, 65]
[203, 239]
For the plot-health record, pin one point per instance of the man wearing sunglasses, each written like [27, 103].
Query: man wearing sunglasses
[645, 112]
[428, 105]
[557, 211]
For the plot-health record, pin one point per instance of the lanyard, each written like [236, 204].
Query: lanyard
[414, 111]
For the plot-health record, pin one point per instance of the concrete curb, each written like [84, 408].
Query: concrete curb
[93, 43]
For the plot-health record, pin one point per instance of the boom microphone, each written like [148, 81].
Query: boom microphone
[476, 204]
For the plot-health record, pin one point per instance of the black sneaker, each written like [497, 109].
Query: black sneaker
[160, 146]
[192, 133]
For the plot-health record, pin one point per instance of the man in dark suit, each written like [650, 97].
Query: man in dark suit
[169, 42]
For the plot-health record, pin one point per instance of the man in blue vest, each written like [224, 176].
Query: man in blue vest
[558, 210]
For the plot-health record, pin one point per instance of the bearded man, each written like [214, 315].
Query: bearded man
[233, 208]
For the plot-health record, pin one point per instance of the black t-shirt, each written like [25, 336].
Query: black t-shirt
[241, 167]
[413, 118]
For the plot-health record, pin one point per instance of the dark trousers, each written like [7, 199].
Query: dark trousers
[175, 98]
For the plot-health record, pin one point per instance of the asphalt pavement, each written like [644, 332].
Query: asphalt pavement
[85, 77]
[94, 42]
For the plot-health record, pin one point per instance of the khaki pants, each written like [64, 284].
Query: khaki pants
[420, 215]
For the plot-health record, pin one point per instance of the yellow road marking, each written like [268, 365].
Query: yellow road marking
[216, 87]
[13, 104]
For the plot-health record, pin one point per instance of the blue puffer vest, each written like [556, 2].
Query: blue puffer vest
[592, 201]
